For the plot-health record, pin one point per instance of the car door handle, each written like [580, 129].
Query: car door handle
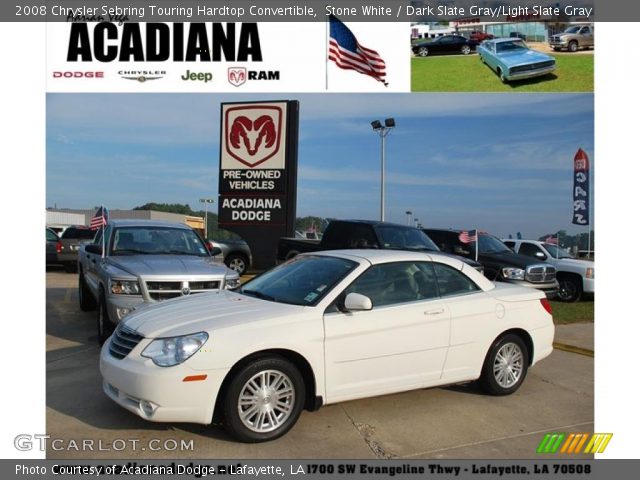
[434, 312]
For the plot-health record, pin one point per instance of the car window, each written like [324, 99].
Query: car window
[394, 283]
[79, 233]
[531, 250]
[51, 237]
[452, 281]
[511, 244]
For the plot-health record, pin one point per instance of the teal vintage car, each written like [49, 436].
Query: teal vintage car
[512, 59]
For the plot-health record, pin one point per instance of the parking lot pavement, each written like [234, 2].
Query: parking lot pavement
[451, 422]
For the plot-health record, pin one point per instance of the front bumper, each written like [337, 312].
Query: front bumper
[588, 285]
[530, 74]
[159, 394]
[550, 289]
[559, 43]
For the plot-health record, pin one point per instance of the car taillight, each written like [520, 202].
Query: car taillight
[59, 247]
[546, 305]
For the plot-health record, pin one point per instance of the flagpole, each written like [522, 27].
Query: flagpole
[326, 56]
[103, 229]
[477, 243]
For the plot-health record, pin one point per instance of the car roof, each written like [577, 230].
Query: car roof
[375, 223]
[503, 40]
[147, 223]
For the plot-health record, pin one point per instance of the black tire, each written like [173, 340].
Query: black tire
[105, 326]
[570, 288]
[237, 262]
[573, 46]
[423, 52]
[71, 267]
[87, 302]
[491, 380]
[500, 73]
[556, 49]
[278, 420]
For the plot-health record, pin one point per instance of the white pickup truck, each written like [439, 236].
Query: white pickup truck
[574, 275]
[144, 261]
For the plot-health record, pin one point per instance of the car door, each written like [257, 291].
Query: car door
[474, 321]
[447, 44]
[94, 261]
[399, 344]
[587, 34]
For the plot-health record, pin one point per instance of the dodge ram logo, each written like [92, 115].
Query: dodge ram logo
[252, 133]
[237, 76]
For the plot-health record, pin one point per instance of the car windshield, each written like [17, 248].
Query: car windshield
[556, 252]
[574, 29]
[305, 280]
[157, 240]
[490, 244]
[406, 238]
[511, 46]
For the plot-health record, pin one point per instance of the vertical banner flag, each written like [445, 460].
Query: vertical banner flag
[347, 53]
[581, 188]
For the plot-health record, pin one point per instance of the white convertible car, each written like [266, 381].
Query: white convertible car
[320, 329]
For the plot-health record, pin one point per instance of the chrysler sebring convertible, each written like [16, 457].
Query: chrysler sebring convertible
[512, 59]
[323, 328]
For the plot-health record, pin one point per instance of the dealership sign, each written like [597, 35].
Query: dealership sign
[258, 173]
[581, 188]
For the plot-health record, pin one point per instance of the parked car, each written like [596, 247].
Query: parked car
[445, 44]
[344, 234]
[573, 38]
[500, 263]
[575, 276]
[236, 254]
[514, 60]
[144, 261]
[320, 329]
[480, 36]
[70, 241]
[52, 247]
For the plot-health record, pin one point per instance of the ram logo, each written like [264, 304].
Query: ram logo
[237, 76]
[253, 133]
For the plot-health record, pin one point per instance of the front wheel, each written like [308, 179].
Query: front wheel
[503, 79]
[263, 400]
[466, 50]
[505, 366]
[423, 52]
[573, 46]
[570, 289]
[105, 326]
[237, 263]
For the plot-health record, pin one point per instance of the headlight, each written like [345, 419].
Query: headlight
[513, 273]
[590, 272]
[167, 352]
[125, 287]
[231, 283]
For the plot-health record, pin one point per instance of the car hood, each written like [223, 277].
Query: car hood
[204, 312]
[510, 259]
[168, 265]
[574, 262]
[518, 58]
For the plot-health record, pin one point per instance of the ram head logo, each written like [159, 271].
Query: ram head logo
[253, 133]
[237, 76]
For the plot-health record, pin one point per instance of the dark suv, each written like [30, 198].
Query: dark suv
[500, 263]
[70, 241]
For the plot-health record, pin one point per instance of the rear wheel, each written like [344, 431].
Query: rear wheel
[264, 400]
[105, 326]
[87, 302]
[505, 366]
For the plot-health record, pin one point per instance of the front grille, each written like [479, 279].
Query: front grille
[541, 274]
[123, 341]
[533, 66]
[159, 290]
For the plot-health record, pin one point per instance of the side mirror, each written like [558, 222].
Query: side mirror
[541, 255]
[94, 248]
[356, 302]
[215, 251]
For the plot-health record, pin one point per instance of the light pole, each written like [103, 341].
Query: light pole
[206, 202]
[408, 217]
[416, 222]
[383, 131]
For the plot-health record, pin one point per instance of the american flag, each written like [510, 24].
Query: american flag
[100, 218]
[348, 54]
[552, 240]
[468, 236]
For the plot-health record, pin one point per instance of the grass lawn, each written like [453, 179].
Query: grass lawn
[564, 313]
[466, 73]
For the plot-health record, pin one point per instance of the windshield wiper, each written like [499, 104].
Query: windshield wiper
[258, 294]
[176, 252]
[130, 251]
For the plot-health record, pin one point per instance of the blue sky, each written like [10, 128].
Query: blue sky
[499, 162]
